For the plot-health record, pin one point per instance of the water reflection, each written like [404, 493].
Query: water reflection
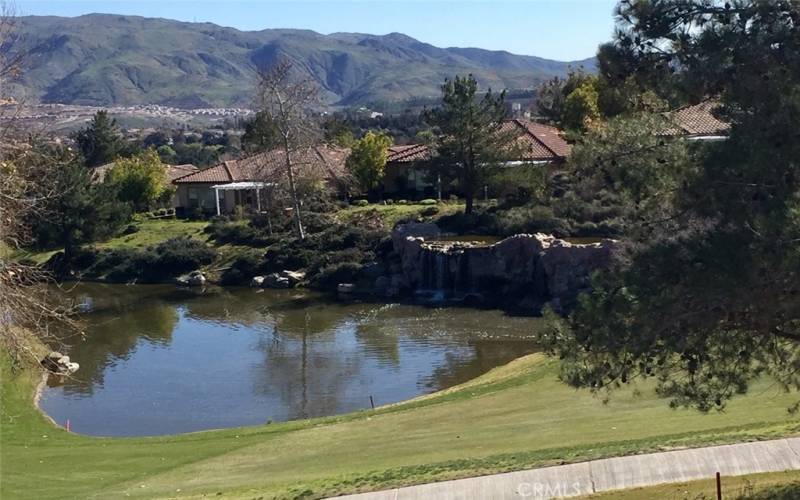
[161, 360]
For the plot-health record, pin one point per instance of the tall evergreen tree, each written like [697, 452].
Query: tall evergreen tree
[707, 297]
[100, 142]
[470, 142]
[83, 212]
[260, 134]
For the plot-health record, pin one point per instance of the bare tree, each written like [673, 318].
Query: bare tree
[25, 174]
[288, 101]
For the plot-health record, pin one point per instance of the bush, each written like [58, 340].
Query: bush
[428, 201]
[342, 272]
[84, 258]
[243, 269]
[288, 254]
[316, 222]
[229, 232]
[168, 259]
[180, 255]
[536, 219]
[429, 211]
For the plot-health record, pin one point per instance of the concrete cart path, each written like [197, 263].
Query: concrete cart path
[609, 474]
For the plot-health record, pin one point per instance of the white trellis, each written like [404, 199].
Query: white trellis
[241, 186]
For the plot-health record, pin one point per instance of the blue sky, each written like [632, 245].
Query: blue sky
[556, 29]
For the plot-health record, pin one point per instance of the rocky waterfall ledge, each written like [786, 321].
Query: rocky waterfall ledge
[527, 270]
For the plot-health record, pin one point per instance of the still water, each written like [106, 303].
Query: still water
[161, 360]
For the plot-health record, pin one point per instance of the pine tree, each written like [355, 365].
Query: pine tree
[100, 142]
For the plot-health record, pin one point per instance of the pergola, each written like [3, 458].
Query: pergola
[241, 186]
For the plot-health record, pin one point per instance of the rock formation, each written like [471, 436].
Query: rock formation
[526, 268]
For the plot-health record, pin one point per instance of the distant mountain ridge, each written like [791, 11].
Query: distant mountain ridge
[104, 59]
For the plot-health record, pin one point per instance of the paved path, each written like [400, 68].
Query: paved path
[609, 474]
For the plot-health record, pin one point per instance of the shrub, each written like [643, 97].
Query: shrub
[287, 254]
[84, 257]
[429, 211]
[531, 220]
[180, 255]
[317, 222]
[229, 232]
[243, 269]
[342, 272]
[124, 264]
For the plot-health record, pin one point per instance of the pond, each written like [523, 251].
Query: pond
[160, 360]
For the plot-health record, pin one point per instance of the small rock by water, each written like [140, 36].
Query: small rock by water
[283, 279]
[56, 362]
[195, 278]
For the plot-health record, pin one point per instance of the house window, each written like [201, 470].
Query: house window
[194, 200]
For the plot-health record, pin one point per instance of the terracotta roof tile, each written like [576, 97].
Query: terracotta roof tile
[698, 120]
[535, 141]
[173, 171]
[178, 171]
[323, 161]
[408, 153]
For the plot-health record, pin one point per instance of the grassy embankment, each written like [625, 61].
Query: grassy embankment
[769, 486]
[514, 417]
[153, 231]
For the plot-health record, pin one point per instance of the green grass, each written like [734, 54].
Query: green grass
[151, 232]
[514, 417]
[772, 485]
[154, 231]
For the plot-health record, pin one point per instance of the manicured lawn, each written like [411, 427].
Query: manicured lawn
[515, 417]
[772, 485]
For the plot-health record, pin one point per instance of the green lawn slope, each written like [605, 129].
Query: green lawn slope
[516, 416]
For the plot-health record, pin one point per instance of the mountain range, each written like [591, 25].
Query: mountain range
[105, 60]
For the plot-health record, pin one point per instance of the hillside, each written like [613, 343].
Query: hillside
[105, 60]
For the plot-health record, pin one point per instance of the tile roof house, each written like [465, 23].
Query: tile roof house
[534, 143]
[252, 177]
[698, 122]
[173, 171]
